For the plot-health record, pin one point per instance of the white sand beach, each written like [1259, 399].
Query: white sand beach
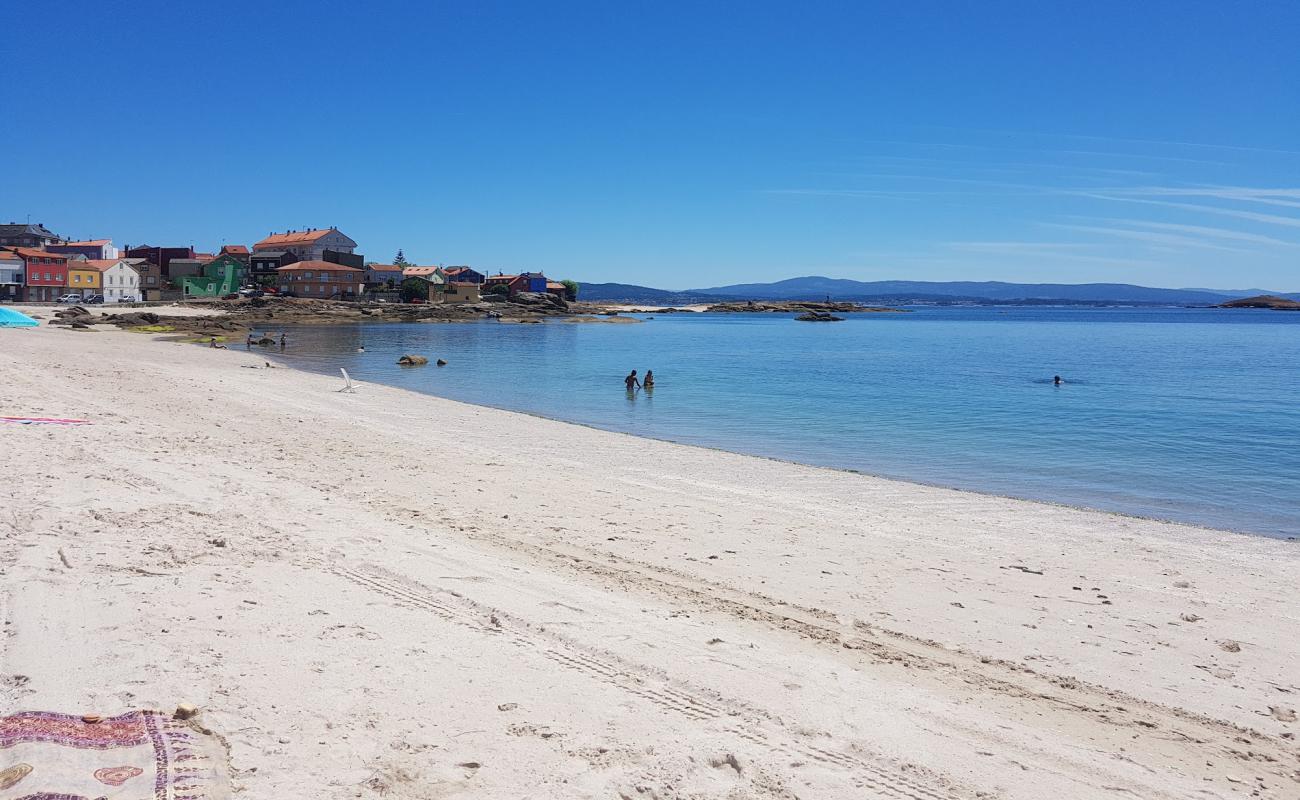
[384, 594]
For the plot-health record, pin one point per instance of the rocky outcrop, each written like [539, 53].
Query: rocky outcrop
[412, 361]
[1263, 301]
[540, 299]
[818, 316]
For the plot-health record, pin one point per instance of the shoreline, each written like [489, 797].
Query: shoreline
[580, 612]
[876, 476]
[1283, 536]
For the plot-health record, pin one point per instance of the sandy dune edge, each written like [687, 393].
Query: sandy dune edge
[386, 594]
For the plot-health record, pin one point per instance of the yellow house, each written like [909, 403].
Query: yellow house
[84, 279]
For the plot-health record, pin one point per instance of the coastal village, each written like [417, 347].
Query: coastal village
[38, 265]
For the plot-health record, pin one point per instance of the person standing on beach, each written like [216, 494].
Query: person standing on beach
[248, 343]
[631, 382]
[281, 341]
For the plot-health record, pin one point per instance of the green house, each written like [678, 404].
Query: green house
[221, 276]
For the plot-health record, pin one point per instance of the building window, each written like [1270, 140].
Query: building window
[47, 277]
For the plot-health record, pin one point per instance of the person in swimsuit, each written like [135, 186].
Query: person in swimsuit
[649, 382]
[631, 382]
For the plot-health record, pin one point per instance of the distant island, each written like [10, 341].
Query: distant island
[1264, 301]
[924, 292]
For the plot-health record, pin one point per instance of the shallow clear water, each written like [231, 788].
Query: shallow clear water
[1184, 414]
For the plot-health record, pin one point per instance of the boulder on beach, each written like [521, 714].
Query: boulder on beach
[412, 361]
[134, 318]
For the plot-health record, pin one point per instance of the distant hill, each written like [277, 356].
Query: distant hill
[896, 292]
[815, 287]
[629, 293]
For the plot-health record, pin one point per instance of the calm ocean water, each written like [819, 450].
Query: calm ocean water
[1183, 414]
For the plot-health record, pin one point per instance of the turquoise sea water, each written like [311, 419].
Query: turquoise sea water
[1183, 414]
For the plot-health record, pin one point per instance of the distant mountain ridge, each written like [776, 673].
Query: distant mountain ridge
[816, 287]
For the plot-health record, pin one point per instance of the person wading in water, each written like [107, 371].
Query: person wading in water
[631, 382]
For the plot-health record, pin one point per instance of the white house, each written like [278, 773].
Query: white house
[309, 245]
[120, 280]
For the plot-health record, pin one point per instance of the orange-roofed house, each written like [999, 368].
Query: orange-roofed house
[83, 279]
[98, 249]
[523, 282]
[321, 280]
[309, 245]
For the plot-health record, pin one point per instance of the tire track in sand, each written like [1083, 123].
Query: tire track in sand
[733, 717]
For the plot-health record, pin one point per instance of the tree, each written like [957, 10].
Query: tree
[400, 260]
[497, 288]
[570, 290]
[413, 288]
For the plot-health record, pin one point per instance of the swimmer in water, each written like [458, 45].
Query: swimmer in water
[1057, 380]
[631, 382]
[649, 381]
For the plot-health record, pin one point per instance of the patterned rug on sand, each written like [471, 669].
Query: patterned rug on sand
[142, 755]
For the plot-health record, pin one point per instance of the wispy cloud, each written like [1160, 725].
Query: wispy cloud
[1279, 197]
[1271, 219]
[1125, 140]
[1199, 230]
[1022, 247]
[1046, 251]
[1150, 237]
[960, 146]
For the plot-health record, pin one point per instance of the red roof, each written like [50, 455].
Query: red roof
[317, 266]
[384, 267]
[31, 252]
[235, 249]
[501, 278]
[419, 271]
[295, 237]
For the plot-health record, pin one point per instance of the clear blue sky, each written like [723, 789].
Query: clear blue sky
[678, 145]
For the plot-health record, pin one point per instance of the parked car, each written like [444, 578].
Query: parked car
[69, 298]
[126, 300]
[95, 298]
